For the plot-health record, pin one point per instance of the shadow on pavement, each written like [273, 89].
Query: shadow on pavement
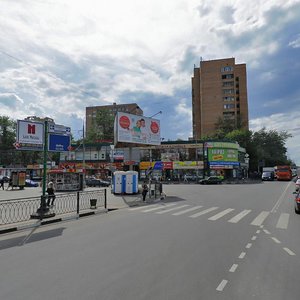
[26, 239]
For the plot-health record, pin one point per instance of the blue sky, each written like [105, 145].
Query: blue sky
[59, 56]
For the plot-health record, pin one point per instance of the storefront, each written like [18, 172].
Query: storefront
[223, 159]
[66, 180]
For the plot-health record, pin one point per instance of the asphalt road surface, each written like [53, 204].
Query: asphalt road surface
[201, 242]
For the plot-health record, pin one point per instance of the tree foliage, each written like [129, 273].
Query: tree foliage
[102, 127]
[263, 146]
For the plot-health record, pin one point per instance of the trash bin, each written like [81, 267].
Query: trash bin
[93, 203]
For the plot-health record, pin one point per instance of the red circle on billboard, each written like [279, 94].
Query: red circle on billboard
[154, 127]
[124, 122]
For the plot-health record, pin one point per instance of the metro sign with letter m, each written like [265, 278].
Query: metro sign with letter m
[30, 132]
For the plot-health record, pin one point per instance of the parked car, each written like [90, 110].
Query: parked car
[93, 182]
[297, 203]
[31, 183]
[268, 176]
[211, 180]
[297, 186]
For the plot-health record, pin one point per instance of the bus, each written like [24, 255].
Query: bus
[283, 172]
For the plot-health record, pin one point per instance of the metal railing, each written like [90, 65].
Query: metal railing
[20, 210]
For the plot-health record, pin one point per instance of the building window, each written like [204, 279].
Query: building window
[237, 78]
[238, 105]
[228, 115]
[227, 69]
[237, 91]
[228, 106]
[228, 83]
[228, 91]
[227, 76]
[238, 99]
[228, 98]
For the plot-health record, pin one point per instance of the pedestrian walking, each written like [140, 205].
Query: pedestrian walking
[185, 178]
[145, 190]
[51, 195]
[2, 183]
[10, 184]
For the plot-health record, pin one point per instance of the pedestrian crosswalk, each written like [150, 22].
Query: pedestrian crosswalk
[214, 213]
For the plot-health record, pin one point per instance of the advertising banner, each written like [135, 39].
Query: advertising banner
[188, 165]
[30, 135]
[226, 145]
[58, 143]
[137, 129]
[218, 154]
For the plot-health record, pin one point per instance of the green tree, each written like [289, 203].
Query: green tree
[102, 127]
[7, 138]
[270, 146]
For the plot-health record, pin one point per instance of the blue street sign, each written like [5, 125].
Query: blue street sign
[58, 143]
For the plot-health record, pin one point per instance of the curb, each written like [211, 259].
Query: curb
[52, 221]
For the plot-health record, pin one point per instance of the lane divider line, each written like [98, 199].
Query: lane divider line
[222, 285]
[233, 268]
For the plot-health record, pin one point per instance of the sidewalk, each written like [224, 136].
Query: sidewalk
[114, 202]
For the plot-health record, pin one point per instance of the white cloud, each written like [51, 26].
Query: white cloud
[113, 48]
[289, 122]
[295, 43]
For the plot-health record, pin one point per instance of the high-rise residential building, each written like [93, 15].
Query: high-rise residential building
[219, 92]
[91, 112]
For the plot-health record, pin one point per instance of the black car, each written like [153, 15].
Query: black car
[93, 182]
[269, 176]
[297, 203]
[211, 180]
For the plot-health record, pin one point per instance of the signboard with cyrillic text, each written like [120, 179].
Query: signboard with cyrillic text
[30, 135]
[30, 132]
[59, 143]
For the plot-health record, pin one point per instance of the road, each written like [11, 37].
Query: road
[201, 242]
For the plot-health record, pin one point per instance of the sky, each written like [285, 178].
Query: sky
[59, 56]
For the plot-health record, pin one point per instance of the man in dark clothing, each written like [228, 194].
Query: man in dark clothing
[145, 190]
[51, 195]
[2, 183]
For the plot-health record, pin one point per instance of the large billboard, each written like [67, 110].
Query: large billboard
[137, 129]
[219, 154]
[30, 135]
[30, 132]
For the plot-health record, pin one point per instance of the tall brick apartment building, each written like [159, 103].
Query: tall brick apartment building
[219, 89]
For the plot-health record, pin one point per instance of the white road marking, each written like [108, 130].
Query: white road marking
[141, 207]
[283, 221]
[275, 240]
[266, 231]
[260, 218]
[221, 214]
[242, 255]
[222, 285]
[239, 216]
[203, 212]
[160, 207]
[280, 200]
[186, 210]
[173, 208]
[254, 238]
[290, 252]
[257, 231]
[249, 245]
[233, 268]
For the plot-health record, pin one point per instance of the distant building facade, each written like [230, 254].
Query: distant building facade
[91, 112]
[219, 90]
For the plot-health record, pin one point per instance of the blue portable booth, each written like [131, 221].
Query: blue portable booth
[125, 182]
